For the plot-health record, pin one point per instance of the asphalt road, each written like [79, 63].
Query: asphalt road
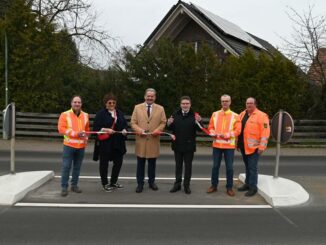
[164, 226]
[43, 225]
[289, 165]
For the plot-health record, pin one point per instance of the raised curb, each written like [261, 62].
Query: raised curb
[279, 192]
[13, 187]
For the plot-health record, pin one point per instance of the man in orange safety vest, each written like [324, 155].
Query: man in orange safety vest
[72, 125]
[225, 126]
[252, 142]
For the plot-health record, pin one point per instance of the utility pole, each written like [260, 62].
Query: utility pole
[6, 69]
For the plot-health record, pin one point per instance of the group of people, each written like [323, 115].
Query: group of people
[248, 132]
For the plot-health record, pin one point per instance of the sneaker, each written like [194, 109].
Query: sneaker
[76, 189]
[108, 188]
[116, 185]
[64, 192]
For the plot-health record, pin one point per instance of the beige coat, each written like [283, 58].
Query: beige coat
[147, 146]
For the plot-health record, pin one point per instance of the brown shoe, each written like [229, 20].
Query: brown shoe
[230, 192]
[211, 189]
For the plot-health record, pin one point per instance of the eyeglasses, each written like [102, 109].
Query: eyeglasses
[111, 102]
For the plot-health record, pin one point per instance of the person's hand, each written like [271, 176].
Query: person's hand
[142, 133]
[81, 134]
[124, 132]
[170, 120]
[156, 132]
[260, 152]
[108, 130]
[226, 136]
[212, 133]
[197, 117]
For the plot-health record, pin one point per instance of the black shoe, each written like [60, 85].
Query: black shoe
[187, 190]
[251, 193]
[64, 192]
[245, 187]
[175, 188]
[153, 186]
[139, 188]
[76, 189]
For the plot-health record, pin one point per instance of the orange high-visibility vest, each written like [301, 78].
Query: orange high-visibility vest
[256, 131]
[225, 123]
[70, 124]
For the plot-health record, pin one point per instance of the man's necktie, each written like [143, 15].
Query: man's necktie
[148, 110]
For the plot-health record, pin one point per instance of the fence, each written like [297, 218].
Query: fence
[40, 125]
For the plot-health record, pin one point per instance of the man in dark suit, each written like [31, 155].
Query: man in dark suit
[183, 125]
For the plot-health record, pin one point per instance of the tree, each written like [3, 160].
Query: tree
[176, 70]
[308, 39]
[77, 18]
[42, 62]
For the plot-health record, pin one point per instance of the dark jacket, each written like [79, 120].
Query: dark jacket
[184, 128]
[115, 145]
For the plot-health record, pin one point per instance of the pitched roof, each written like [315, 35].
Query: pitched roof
[228, 34]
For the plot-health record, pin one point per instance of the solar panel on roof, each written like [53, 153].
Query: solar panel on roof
[228, 27]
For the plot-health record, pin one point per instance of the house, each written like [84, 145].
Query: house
[192, 24]
[317, 70]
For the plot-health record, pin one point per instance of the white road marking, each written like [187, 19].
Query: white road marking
[160, 206]
[134, 178]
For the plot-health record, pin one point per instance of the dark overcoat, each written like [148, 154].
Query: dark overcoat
[184, 128]
[115, 145]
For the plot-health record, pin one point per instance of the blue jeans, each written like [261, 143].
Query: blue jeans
[228, 158]
[71, 156]
[251, 164]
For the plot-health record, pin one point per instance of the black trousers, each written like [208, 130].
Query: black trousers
[150, 170]
[104, 167]
[187, 158]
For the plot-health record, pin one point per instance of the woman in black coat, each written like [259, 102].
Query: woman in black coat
[183, 126]
[111, 146]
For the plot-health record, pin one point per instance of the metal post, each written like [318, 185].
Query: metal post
[6, 69]
[12, 140]
[278, 147]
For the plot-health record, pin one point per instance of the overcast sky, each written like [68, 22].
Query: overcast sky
[134, 20]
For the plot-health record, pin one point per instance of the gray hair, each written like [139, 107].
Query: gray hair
[226, 95]
[150, 90]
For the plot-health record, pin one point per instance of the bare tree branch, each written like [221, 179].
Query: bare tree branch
[96, 46]
[308, 50]
[309, 35]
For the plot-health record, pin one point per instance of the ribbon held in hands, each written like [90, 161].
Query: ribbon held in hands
[205, 130]
[172, 136]
[158, 132]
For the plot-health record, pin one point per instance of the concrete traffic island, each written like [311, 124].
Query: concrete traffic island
[13, 187]
[279, 192]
